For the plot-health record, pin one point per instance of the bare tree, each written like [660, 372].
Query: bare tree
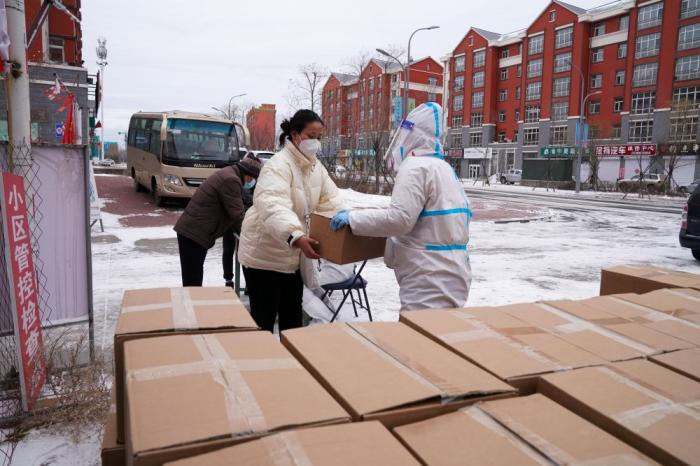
[683, 131]
[305, 89]
[602, 131]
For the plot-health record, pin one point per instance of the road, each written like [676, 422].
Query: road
[572, 202]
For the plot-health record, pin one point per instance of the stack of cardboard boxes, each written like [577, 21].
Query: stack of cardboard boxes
[608, 380]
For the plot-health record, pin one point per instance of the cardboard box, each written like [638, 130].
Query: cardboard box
[647, 406]
[606, 344]
[643, 279]
[359, 443]
[191, 394]
[389, 372]
[532, 430]
[169, 311]
[681, 303]
[509, 348]
[342, 247]
[113, 453]
[684, 362]
[652, 328]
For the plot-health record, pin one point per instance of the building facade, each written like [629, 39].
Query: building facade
[260, 122]
[634, 67]
[360, 111]
[55, 52]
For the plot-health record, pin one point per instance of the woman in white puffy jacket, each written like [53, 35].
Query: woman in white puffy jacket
[427, 221]
[275, 251]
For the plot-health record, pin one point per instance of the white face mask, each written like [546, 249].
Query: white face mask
[310, 147]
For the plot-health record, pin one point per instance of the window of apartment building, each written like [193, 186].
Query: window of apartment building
[596, 81]
[479, 58]
[371, 84]
[689, 37]
[564, 37]
[432, 81]
[531, 136]
[459, 64]
[505, 52]
[503, 95]
[643, 102]
[501, 136]
[432, 97]
[689, 95]
[593, 132]
[477, 119]
[459, 83]
[617, 104]
[684, 129]
[535, 44]
[690, 8]
[478, 79]
[504, 74]
[552, 16]
[616, 132]
[622, 50]
[371, 100]
[620, 78]
[648, 46]
[458, 102]
[478, 99]
[594, 107]
[517, 116]
[558, 135]
[456, 141]
[533, 91]
[519, 71]
[371, 117]
[561, 87]
[640, 131]
[624, 23]
[476, 139]
[562, 62]
[515, 136]
[598, 55]
[532, 114]
[471, 40]
[598, 29]
[517, 93]
[560, 111]
[688, 68]
[457, 121]
[56, 49]
[501, 116]
[645, 75]
[534, 68]
[650, 15]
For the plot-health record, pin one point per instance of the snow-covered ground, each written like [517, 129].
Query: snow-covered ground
[556, 258]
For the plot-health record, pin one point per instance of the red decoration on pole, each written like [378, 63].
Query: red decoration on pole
[24, 297]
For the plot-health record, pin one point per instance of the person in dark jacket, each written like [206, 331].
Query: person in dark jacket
[216, 207]
[228, 241]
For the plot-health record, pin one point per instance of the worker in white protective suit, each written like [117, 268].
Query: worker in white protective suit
[427, 222]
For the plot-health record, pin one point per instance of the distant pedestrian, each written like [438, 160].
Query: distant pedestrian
[217, 206]
[275, 250]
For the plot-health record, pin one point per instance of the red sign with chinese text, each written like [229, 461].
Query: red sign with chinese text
[25, 297]
[626, 150]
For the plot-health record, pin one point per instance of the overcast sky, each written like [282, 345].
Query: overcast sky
[192, 55]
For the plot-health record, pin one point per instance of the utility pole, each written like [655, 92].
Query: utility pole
[102, 63]
[17, 81]
[407, 69]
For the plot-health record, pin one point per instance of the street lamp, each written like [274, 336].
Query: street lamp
[228, 115]
[101, 51]
[406, 68]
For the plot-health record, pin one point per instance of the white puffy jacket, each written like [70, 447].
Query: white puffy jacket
[290, 186]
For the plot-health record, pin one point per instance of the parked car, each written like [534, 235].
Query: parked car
[340, 170]
[689, 188]
[690, 224]
[263, 155]
[511, 176]
[652, 181]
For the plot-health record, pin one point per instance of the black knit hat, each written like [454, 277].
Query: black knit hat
[250, 165]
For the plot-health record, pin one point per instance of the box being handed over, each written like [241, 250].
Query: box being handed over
[342, 247]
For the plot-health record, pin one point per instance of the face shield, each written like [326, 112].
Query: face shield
[418, 135]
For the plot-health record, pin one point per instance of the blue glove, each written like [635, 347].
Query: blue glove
[340, 220]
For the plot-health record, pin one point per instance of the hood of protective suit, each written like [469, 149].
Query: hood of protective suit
[418, 135]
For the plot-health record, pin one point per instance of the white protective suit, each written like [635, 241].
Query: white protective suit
[427, 221]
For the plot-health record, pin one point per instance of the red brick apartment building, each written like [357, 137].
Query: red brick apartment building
[635, 63]
[357, 109]
[261, 125]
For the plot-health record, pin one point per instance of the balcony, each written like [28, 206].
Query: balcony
[510, 61]
[610, 38]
